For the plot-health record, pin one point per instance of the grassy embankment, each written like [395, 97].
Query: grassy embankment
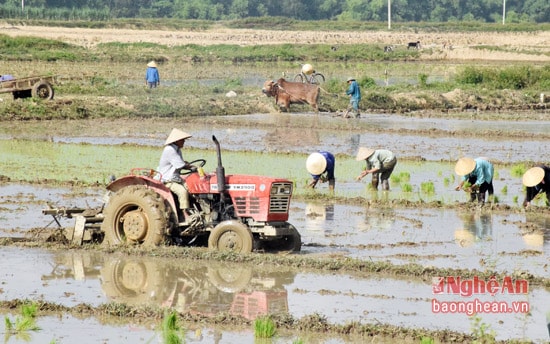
[107, 80]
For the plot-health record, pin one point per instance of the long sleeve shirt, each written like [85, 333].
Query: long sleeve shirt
[354, 90]
[330, 166]
[171, 163]
[483, 172]
[152, 75]
[379, 158]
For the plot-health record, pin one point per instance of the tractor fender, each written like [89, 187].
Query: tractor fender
[151, 183]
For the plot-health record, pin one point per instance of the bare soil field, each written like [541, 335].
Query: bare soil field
[521, 46]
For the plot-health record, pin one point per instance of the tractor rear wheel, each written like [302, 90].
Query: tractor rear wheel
[134, 281]
[136, 215]
[231, 235]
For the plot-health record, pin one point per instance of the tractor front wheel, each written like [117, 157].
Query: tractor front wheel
[231, 235]
[291, 242]
[136, 215]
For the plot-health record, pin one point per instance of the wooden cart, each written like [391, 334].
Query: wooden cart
[34, 86]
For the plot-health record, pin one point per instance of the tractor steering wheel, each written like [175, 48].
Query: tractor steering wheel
[201, 162]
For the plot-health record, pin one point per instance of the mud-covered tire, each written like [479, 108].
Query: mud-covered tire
[136, 215]
[232, 236]
[291, 242]
[134, 281]
[42, 90]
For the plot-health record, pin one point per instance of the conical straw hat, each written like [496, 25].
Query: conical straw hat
[152, 64]
[176, 135]
[316, 163]
[533, 176]
[364, 153]
[464, 166]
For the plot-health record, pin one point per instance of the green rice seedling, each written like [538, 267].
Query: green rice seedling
[172, 333]
[446, 181]
[298, 341]
[427, 340]
[504, 190]
[406, 187]
[427, 187]
[518, 170]
[482, 331]
[264, 327]
[515, 199]
[22, 324]
[395, 179]
[405, 176]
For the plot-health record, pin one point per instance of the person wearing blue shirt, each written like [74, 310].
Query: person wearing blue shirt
[354, 92]
[479, 174]
[319, 163]
[152, 78]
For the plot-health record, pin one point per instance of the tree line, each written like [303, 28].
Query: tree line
[516, 11]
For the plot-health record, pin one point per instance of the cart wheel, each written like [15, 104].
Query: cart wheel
[42, 90]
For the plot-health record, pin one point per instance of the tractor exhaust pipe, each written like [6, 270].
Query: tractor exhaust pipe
[220, 171]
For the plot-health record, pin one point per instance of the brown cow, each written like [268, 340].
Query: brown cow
[287, 92]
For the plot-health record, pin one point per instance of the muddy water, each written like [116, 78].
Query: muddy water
[207, 288]
[408, 137]
[481, 239]
[476, 239]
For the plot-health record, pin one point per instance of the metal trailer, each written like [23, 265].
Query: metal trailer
[33, 86]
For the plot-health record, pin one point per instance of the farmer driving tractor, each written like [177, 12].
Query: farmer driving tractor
[170, 166]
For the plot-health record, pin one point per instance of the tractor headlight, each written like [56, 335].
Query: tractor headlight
[281, 189]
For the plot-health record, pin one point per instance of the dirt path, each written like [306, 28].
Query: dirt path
[522, 46]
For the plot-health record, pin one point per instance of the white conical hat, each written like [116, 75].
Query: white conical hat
[464, 166]
[364, 153]
[316, 163]
[533, 176]
[152, 64]
[176, 135]
[307, 68]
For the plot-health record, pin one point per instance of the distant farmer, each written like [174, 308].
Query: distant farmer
[152, 78]
[170, 166]
[479, 174]
[319, 163]
[380, 162]
[536, 180]
[354, 93]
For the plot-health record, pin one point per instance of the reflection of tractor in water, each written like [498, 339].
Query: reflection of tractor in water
[206, 289]
[234, 212]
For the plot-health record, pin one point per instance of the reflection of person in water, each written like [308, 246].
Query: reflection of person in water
[476, 227]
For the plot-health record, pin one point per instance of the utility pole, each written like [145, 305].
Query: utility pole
[389, 14]
[503, 11]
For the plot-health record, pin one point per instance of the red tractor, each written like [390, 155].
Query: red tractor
[237, 213]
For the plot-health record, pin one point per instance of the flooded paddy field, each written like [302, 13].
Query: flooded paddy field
[511, 244]
[436, 230]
